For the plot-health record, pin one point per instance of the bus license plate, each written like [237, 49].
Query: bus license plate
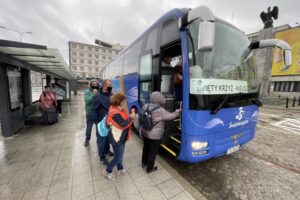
[233, 149]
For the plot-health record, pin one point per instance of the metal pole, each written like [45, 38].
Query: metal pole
[294, 101]
[20, 33]
[287, 102]
[299, 102]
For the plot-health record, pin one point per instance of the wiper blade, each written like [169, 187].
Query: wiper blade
[214, 111]
[256, 102]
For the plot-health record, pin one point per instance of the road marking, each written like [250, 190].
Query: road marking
[266, 114]
[292, 125]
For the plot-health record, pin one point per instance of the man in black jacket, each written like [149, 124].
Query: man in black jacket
[100, 109]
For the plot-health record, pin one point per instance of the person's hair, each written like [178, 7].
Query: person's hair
[116, 99]
[105, 82]
[47, 86]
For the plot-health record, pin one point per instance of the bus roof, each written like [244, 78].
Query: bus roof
[177, 12]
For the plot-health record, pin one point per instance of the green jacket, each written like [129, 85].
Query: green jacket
[88, 98]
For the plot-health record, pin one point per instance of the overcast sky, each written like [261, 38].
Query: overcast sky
[55, 22]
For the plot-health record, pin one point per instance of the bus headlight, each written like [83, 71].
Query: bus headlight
[199, 145]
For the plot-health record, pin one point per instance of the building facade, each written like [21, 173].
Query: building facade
[87, 60]
[285, 82]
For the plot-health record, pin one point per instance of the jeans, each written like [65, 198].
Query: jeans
[89, 126]
[102, 142]
[118, 158]
[103, 146]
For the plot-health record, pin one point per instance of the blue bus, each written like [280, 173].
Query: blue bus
[219, 88]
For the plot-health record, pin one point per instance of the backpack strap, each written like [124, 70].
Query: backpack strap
[155, 108]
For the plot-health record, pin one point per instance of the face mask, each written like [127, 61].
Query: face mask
[109, 89]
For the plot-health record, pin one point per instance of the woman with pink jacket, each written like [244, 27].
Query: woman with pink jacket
[47, 99]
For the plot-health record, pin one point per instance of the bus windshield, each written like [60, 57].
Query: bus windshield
[229, 69]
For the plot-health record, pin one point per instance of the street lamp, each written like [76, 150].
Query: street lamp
[20, 33]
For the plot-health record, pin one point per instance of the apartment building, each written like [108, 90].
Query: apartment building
[87, 60]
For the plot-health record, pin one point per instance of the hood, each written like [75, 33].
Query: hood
[93, 81]
[158, 98]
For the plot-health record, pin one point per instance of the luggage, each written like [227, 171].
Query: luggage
[50, 116]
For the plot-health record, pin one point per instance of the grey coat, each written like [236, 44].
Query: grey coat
[159, 115]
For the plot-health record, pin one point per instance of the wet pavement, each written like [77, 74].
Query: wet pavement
[50, 162]
[266, 168]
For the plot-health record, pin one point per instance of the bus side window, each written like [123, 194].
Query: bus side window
[145, 78]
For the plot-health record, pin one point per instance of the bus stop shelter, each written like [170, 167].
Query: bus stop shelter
[17, 62]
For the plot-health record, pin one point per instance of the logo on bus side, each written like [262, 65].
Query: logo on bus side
[239, 117]
[241, 113]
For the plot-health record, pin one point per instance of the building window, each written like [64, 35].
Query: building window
[81, 47]
[96, 56]
[74, 53]
[81, 61]
[75, 68]
[282, 86]
[287, 87]
[81, 54]
[74, 60]
[90, 62]
[296, 87]
[89, 55]
[103, 57]
[97, 49]
[109, 51]
[90, 69]
[96, 63]
[90, 48]
[96, 69]
[103, 51]
[74, 45]
[81, 68]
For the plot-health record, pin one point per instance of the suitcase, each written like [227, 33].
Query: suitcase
[50, 116]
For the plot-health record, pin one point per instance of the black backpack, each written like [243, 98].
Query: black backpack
[145, 119]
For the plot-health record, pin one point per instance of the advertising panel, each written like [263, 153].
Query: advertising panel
[292, 37]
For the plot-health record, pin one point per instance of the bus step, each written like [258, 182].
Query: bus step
[169, 149]
[176, 138]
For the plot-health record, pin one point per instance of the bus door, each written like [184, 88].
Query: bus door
[171, 87]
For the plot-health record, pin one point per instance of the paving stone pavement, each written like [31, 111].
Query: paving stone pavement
[267, 168]
[50, 162]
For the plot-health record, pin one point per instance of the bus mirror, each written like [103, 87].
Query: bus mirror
[280, 44]
[287, 58]
[206, 36]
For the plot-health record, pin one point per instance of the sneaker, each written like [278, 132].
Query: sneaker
[109, 176]
[122, 171]
[110, 154]
[104, 162]
[86, 143]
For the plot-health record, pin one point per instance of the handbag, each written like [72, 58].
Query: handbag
[102, 127]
